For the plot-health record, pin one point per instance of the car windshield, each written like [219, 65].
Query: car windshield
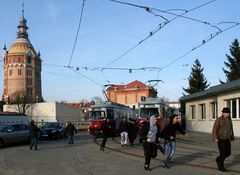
[148, 112]
[97, 115]
[51, 125]
[3, 128]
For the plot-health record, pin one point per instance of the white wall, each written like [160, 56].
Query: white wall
[65, 113]
[206, 125]
[49, 112]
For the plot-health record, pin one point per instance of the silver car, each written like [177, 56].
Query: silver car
[11, 134]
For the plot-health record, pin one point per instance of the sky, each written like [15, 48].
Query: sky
[106, 38]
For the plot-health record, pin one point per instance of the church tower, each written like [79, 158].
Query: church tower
[22, 68]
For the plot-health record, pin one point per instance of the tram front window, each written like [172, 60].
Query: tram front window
[97, 115]
[148, 112]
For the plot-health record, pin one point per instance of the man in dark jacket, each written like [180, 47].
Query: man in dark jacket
[131, 131]
[223, 135]
[70, 131]
[106, 131]
[33, 130]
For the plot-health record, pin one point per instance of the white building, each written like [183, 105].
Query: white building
[202, 108]
[49, 112]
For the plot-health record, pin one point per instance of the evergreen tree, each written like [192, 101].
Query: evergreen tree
[197, 81]
[232, 71]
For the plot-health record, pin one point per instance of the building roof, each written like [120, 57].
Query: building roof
[79, 105]
[134, 84]
[73, 105]
[222, 88]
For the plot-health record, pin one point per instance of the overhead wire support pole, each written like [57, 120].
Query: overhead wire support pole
[75, 41]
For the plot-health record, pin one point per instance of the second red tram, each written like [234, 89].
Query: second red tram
[153, 107]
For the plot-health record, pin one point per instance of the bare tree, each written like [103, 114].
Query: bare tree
[22, 102]
[97, 100]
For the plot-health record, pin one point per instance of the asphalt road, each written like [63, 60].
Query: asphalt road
[195, 156]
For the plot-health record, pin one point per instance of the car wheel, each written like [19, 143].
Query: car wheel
[1, 143]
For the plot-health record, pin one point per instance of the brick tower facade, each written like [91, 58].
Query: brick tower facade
[22, 68]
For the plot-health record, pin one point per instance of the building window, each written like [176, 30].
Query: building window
[37, 74]
[214, 110]
[19, 72]
[29, 73]
[10, 72]
[193, 112]
[234, 106]
[19, 59]
[29, 91]
[29, 82]
[29, 60]
[202, 111]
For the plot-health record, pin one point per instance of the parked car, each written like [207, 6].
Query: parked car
[52, 130]
[11, 134]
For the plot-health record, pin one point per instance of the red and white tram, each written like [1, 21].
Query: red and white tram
[113, 111]
[153, 106]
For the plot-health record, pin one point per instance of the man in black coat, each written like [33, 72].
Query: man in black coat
[70, 131]
[33, 130]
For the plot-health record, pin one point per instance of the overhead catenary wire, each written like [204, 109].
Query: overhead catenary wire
[212, 36]
[86, 77]
[151, 9]
[160, 26]
[76, 37]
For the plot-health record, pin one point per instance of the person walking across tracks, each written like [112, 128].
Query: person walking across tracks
[151, 135]
[33, 130]
[106, 131]
[70, 131]
[223, 135]
[169, 133]
[124, 131]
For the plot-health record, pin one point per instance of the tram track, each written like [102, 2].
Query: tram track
[124, 151]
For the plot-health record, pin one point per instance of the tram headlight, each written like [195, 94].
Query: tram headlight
[95, 126]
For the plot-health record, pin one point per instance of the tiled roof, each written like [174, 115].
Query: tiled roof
[134, 84]
[226, 87]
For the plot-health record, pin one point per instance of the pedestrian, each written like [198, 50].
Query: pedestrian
[169, 134]
[106, 131]
[223, 135]
[33, 130]
[124, 131]
[151, 135]
[131, 131]
[70, 131]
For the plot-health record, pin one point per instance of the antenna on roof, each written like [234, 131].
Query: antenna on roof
[23, 10]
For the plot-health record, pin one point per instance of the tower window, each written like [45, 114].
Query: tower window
[29, 60]
[29, 91]
[29, 73]
[29, 81]
[10, 72]
[19, 72]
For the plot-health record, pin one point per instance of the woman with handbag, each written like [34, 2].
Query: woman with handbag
[150, 135]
